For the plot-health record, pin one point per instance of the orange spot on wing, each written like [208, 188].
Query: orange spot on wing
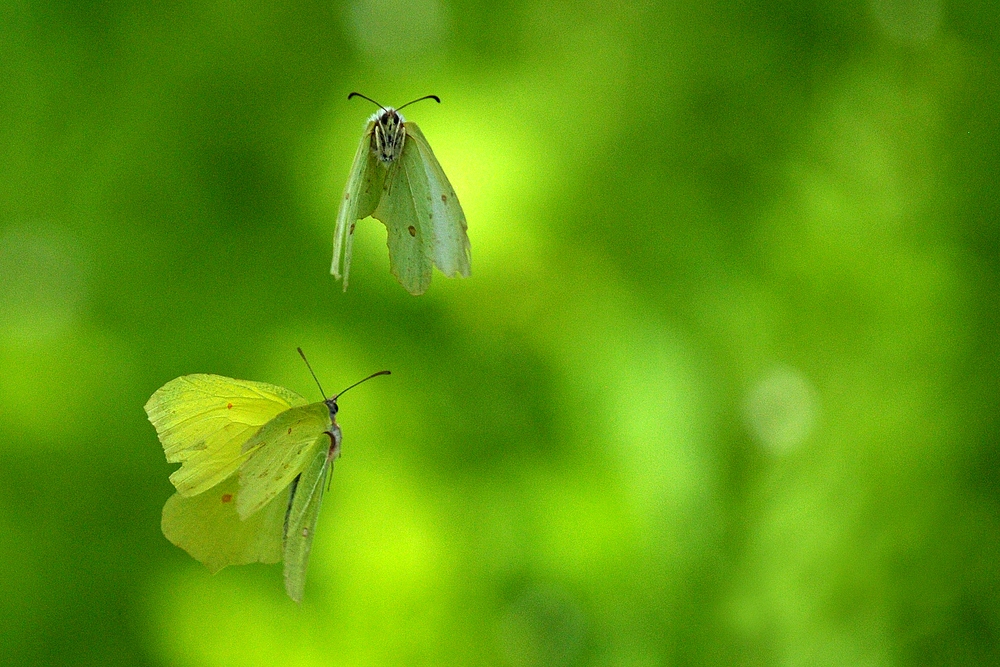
[229, 407]
[226, 497]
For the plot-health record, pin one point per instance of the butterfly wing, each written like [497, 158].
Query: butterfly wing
[361, 196]
[450, 246]
[209, 528]
[403, 210]
[300, 522]
[203, 422]
[278, 452]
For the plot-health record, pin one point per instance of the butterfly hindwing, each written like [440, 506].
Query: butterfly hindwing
[209, 528]
[204, 420]
[278, 452]
[448, 229]
[403, 210]
[361, 197]
[300, 521]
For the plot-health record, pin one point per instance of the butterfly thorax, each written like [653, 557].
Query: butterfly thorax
[388, 135]
[334, 432]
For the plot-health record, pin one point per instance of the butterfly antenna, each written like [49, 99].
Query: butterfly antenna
[303, 355]
[365, 97]
[425, 97]
[373, 375]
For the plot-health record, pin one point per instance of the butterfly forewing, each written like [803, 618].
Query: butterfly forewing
[203, 422]
[300, 522]
[447, 228]
[278, 452]
[361, 196]
[407, 233]
[209, 528]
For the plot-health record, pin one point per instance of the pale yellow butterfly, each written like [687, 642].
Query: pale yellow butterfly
[397, 179]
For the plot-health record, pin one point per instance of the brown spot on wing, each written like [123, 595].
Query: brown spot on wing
[444, 198]
[226, 497]
[229, 407]
[352, 228]
[412, 230]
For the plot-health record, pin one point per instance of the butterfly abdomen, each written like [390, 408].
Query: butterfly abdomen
[388, 135]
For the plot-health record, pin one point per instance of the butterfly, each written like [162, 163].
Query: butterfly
[396, 179]
[255, 458]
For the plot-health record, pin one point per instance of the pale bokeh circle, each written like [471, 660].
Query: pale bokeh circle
[781, 408]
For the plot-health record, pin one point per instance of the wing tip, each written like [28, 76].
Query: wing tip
[294, 592]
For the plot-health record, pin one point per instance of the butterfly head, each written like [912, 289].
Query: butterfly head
[331, 405]
[388, 135]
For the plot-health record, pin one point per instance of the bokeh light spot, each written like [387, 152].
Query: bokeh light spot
[41, 282]
[394, 29]
[781, 408]
[908, 20]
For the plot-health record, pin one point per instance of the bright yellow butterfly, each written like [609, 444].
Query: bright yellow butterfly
[254, 461]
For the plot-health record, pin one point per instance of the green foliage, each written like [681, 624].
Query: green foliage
[720, 390]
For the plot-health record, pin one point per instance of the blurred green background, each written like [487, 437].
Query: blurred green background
[722, 388]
